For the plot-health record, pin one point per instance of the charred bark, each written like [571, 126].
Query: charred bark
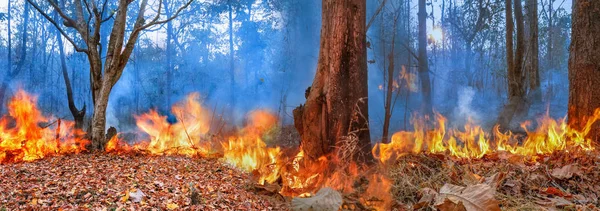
[584, 65]
[336, 109]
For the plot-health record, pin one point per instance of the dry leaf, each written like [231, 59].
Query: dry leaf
[326, 199]
[473, 197]
[427, 197]
[565, 172]
[172, 206]
[136, 196]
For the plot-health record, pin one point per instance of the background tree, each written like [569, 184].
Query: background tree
[336, 107]
[423, 60]
[584, 65]
[88, 20]
[517, 104]
[532, 63]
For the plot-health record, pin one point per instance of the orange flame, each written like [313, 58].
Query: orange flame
[186, 137]
[22, 139]
[472, 142]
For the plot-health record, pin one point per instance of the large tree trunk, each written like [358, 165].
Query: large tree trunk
[532, 69]
[584, 65]
[423, 64]
[336, 108]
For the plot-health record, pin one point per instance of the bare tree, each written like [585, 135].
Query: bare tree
[584, 65]
[88, 19]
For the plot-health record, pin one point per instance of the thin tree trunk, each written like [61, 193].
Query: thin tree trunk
[231, 57]
[78, 115]
[336, 109]
[584, 65]
[11, 73]
[535, 93]
[517, 105]
[169, 55]
[390, 89]
[423, 64]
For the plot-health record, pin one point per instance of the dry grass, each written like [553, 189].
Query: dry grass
[522, 189]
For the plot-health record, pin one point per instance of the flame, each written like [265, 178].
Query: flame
[23, 139]
[249, 152]
[185, 137]
[472, 142]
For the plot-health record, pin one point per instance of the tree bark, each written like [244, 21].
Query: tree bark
[336, 109]
[426, 107]
[584, 65]
[532, 70]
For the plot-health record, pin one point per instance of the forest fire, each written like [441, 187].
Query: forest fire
[550, 136]
[27, 135]
[24, 140]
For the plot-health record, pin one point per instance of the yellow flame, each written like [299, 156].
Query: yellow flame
[23, 139]
[472, 142]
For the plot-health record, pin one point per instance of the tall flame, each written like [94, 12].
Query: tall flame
[23, 139]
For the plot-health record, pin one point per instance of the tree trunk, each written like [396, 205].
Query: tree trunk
[11, 73]
[423, 64]
[532, 70]
[4, 84]
[584, 65]
[336, 109]
[78, 115]
[169, 50]
[517, 105]
[231, 57]
[389, 91]
[550, 41]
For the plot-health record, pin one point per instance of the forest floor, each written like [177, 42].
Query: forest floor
[560, 181]
[99, 181]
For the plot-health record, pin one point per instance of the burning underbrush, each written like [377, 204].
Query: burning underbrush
[430, 166]
[26, 134]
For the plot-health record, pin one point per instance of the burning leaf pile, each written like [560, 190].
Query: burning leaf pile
[446, 169]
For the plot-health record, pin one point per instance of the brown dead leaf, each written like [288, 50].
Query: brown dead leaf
[566, 172]
[495, 180]
[478, 197]
[427, 197]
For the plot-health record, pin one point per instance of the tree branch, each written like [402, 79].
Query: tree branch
[64, 34]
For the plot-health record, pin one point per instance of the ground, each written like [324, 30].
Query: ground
[101, 181]
[109, 182]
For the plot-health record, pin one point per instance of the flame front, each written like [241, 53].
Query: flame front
[550, 136]
[23, 139]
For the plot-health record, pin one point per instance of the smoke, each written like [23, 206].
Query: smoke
[464, 111]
